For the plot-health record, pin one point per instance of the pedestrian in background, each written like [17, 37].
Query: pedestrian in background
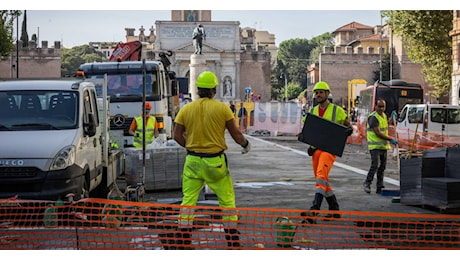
[151, 129]
[232, 107]
[323, 161]
[200, 128]
[378, 146]
[242, 117]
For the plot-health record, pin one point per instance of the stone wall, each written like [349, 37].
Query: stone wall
[341, 66]
[255, 73]
[33, 62]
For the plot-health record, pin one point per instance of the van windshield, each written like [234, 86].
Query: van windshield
[445, 115]
[38, 110]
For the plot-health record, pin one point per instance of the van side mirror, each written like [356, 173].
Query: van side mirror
[90, 127]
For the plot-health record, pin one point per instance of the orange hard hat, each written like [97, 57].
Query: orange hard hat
[148, 105]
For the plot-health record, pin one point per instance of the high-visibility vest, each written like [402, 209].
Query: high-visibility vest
[149, 131]
[373, 141]
[329, 114]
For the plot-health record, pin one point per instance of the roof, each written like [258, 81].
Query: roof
[373, 38]
[353, 26]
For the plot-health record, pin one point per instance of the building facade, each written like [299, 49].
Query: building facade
[357, 55]
[238, 58]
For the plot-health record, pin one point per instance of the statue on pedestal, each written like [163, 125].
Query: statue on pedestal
[198, 36]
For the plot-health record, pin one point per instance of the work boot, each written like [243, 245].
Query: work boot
[174, 239]
[316, 205]
[333, 205]
[379, 189]
[367, 187]
[233, 237]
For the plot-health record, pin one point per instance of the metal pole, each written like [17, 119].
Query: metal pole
[17, 46]
[391, 53]
[380, 49]
[285, 88]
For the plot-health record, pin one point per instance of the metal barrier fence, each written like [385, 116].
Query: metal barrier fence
[113, 224]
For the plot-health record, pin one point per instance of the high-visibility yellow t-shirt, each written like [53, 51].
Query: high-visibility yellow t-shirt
[204, 120]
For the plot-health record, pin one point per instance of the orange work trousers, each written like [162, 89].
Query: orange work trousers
[322, 164]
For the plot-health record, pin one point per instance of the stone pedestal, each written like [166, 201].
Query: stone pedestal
[197, 65]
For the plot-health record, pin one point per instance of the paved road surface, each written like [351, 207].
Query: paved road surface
[277, 173]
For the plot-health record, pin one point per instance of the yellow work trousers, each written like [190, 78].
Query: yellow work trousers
[215, 173]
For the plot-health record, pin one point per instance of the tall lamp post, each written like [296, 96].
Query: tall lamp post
[283, 75]
[17, 46]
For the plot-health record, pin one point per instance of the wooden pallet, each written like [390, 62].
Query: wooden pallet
[403, 154]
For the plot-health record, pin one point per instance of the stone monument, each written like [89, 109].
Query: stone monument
[197, 65]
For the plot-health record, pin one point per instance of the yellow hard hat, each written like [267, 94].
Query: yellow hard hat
[321, 85]
[207, 79]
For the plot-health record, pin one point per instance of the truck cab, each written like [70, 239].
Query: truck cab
[52, 140]
[125, 86]
[427, 126]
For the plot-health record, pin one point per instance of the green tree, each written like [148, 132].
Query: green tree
[426, 37]
[320, 41]
[386, 60]
[7, 18]
[72, 58]
[294, 90]
[24, 34]
[294, 57]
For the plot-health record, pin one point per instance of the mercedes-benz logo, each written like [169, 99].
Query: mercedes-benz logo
[118, 120]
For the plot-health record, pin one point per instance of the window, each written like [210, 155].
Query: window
[415, 115]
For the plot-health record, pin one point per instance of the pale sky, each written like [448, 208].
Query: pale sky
[101, 20]
[80, 27]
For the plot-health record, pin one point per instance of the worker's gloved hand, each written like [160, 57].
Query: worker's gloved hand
[246, 148]
[349, 130]
[393, 116]
[394, 142]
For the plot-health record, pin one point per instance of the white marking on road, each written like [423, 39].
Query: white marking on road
[257, 185]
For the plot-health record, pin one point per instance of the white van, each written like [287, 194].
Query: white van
[51, 140]
[429, 125]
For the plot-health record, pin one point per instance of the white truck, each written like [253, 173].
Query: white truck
[425, 126]
[129, 83]
[54, 140]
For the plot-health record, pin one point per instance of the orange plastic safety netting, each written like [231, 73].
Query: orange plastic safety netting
[113, 224]
[421, 141]
[409, 140]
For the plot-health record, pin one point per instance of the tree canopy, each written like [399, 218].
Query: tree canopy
[426, 37]
[294, 57]
[24, 34]
[72, 58]
[7, 18]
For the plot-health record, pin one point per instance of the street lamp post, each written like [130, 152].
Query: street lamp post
[285, 87]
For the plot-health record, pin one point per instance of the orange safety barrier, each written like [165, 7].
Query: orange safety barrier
[420, 141]
[356, 137]
[113, 224]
